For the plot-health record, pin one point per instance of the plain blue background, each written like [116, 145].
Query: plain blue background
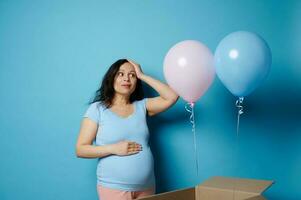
[53, 55]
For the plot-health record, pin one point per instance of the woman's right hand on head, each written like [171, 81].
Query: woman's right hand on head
[124, 148]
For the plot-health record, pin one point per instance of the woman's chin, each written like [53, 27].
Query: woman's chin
[125, 92]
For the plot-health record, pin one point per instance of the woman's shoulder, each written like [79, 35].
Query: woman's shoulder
[93, 111]
[96, 104]
[141, 103]
[99, 106]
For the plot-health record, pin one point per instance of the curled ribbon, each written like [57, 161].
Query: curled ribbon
[240, 111]
[189, 108]
[240, 108]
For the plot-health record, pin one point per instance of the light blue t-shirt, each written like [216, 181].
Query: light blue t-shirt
[130, 173]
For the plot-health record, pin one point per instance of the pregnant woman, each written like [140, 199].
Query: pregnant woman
[116, 121]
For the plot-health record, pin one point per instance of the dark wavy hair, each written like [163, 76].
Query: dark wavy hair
[106, 92]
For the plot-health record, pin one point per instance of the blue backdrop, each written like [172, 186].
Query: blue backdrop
[53, 55]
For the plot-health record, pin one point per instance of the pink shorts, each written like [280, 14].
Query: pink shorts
[105, 193]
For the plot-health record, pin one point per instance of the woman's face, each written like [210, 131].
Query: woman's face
[125, 79]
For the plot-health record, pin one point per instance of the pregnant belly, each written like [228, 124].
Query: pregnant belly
[132, 169]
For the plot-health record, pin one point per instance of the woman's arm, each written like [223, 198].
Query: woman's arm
[167, 96]
[84, 145]
[86, 149]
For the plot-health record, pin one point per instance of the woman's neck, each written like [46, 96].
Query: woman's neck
[120, 100]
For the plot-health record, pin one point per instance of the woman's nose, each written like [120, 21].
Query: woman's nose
[126, 78]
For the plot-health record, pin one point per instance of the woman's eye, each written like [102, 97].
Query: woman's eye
[120, 74]
[132, 75]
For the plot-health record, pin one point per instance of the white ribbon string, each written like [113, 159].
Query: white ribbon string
[190, 108]
[240, 111]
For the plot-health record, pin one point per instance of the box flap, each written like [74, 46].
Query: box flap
[239, 184]
[183, 194]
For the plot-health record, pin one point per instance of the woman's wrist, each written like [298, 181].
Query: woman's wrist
[142, 76]
[111, 149]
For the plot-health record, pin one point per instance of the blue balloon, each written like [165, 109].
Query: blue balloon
[242, 61]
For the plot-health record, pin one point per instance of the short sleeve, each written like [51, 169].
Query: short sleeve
[143, 102]
[93, 112]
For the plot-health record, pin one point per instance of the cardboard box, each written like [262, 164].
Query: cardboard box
[219, 188]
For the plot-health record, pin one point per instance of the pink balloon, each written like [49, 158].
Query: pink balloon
[189, 69]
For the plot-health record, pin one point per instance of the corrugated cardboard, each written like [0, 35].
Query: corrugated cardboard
[219, 188]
